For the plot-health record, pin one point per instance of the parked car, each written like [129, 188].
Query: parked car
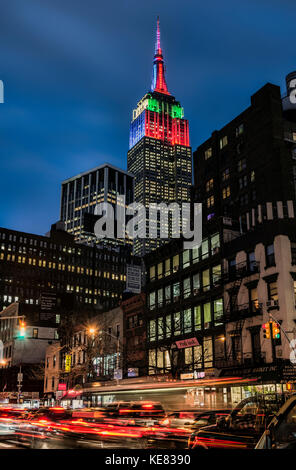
[281, 431]
[242, 428]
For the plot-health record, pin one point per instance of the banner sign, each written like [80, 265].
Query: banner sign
[133, 278]
[187, 343]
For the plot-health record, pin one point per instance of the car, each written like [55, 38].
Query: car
[281, 431]
[180, 419]
[146, 413]
[242, 428]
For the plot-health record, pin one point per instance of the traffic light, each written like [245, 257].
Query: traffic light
[276, 332]
[266, 330]
[22, 329]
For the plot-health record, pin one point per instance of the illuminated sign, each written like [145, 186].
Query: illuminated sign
[187, 343]
[68, 363]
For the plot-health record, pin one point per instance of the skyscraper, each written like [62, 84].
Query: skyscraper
[81, 194]
[159, 153]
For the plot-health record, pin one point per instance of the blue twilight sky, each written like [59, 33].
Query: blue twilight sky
[74, 69]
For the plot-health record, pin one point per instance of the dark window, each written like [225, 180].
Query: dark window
[35, 332]
[270, 259]
[272, 290]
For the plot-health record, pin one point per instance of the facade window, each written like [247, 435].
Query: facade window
[159, 297]
[186, 259]
[160, 328]
[242, 164]
[254, 299]
[295, 293]
[195, 284]
[54, 361]
[167, 267]
[272, 290]
[208, 153]
[210, 201]
[243, 182]
[208, 352]
[270, 259]
[152, 330]
[187, 320]
[207, 315]
[223, 142]
[206, 284]
[216, 274]
[252, 265]
[176, 291]
[209, 185]
[186, 288]
[167, 291]
[197, 317]
[176, 262]
[215, 243]
[152, 300]
[218, 311]
[205, 249]
[239, 130]
[226, 192]
[159, 270]
[152, 273]
[225, 174]
[168, 326]
[52, 383]
[252, 176]
[177, 323]
[35, 333]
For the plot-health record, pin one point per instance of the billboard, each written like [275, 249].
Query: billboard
[133, 278]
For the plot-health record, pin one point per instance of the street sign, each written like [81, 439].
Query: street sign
[187, 343]
[133, 372]
[117, 374]
[62, 387]
[68, 363]
[187, 376]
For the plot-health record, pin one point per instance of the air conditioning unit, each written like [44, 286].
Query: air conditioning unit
[272, 303]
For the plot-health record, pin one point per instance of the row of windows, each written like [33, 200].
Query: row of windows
[192, 285]
[62, 267]
[209, 246]
[224, 141]
[200, 317]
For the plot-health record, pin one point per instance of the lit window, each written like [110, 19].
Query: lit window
[223, 142]
[208, 153]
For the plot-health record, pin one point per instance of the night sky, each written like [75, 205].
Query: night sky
[73, 70]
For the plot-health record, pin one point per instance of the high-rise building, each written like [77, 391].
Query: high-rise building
[249, 162]
[81, 194]
[159, 153]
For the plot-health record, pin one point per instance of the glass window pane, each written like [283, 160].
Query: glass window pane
[187, 320]
[207, 314]
[186, 287]
[197, 317]
[177, 323]
[206, 280]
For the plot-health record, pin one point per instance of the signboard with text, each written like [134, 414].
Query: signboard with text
[133, 278]
[187, 343]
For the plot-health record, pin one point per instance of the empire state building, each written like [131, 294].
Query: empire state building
[159, 153]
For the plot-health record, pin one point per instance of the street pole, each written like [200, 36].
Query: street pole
[19, 383]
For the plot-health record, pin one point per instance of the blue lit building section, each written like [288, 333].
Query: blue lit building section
[137, 129]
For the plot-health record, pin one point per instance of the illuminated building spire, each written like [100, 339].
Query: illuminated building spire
[158, 77]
